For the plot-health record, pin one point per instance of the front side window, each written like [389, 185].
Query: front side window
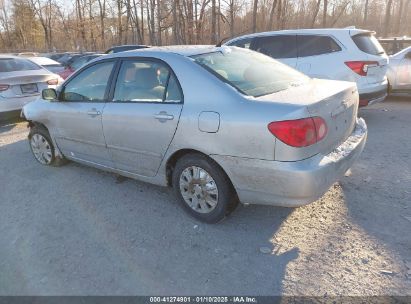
[280, 46]
[312, 45]
[146, 81]
[90, 84]
[251, 73]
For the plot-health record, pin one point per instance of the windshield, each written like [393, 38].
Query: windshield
[250, 72]
[17, 64]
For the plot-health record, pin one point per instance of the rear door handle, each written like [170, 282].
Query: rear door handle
[163, 116]
[93, 113]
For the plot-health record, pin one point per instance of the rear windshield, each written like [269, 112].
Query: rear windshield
[368, 44]
[17, 64]
[251, 73]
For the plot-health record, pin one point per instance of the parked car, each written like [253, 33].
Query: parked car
[399, 72]
[27, 54]
[123, 48]
[49, 64]
[341, 54]
[22, 81]
[56, 56]
[67, 57]
[219, 124]
[76, 62]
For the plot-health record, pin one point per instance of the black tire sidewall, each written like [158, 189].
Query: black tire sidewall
[46, 135]
[226, 194]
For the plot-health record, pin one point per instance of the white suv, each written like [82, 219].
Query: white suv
[342, 54]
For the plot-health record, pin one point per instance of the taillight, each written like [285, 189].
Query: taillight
[300, 132]
[4, 87]
[360, 67]
[53, 82]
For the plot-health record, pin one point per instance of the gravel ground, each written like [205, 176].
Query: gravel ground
[75, 230]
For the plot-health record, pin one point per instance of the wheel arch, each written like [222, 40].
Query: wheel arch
[33, 124]
[172, 161]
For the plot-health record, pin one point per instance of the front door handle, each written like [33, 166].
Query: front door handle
[163, 116]
[93, 113]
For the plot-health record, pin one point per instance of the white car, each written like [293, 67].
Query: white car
[342, 54]
[49, 64]
[399, 72]
[22, 81]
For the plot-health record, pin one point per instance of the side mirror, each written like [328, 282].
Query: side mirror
[49, 94]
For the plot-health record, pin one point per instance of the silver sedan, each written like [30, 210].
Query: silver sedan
[221, 125]
[399, 72]
[22, 81]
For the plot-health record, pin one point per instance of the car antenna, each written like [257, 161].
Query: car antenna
[228, 37]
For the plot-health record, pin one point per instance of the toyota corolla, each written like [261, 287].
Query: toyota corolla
[221, 125]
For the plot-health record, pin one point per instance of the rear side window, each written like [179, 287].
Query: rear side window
[281, 46]
[368, 44]
[17, 64]
[146, 81]
[312, 45]
[242, 43]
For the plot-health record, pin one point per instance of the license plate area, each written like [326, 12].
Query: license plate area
[29, 88]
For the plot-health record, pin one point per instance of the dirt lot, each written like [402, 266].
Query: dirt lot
[76, 231]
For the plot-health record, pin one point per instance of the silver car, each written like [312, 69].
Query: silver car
[49, 64]
[221, 125]
[22, 81]
[399, 72]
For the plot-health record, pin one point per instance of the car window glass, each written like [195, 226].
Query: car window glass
[242, 43]
[146, 81]
[250, 72]
[281, 46]
[90, 84]
[311, 45]
[173, 90]
[78, 63]
[368, 44]
[17, 64]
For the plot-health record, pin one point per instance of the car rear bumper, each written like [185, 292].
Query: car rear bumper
[373, 93]
[292, 184]
[15, 103]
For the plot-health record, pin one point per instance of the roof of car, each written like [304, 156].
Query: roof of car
[303, 31]
[184, 50]
[43, 60]
[9, 56]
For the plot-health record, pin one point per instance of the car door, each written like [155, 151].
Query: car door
[316, 54]
[140, 121]
[403, 73]
[280, 47]
[77, 116]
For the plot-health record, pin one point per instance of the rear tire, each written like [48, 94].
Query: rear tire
[203, 188]
[42, 147]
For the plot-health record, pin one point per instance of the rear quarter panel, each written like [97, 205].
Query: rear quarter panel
[243, 128]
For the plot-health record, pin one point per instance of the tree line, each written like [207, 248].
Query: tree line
[50, 25]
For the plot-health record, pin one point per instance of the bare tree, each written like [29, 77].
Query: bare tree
[386, 28]
[255, 7]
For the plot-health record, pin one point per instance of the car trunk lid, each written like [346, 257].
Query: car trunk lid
[336, 102]
[25, 83]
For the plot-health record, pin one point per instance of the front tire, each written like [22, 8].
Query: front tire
[203, 188]
[42, 147]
